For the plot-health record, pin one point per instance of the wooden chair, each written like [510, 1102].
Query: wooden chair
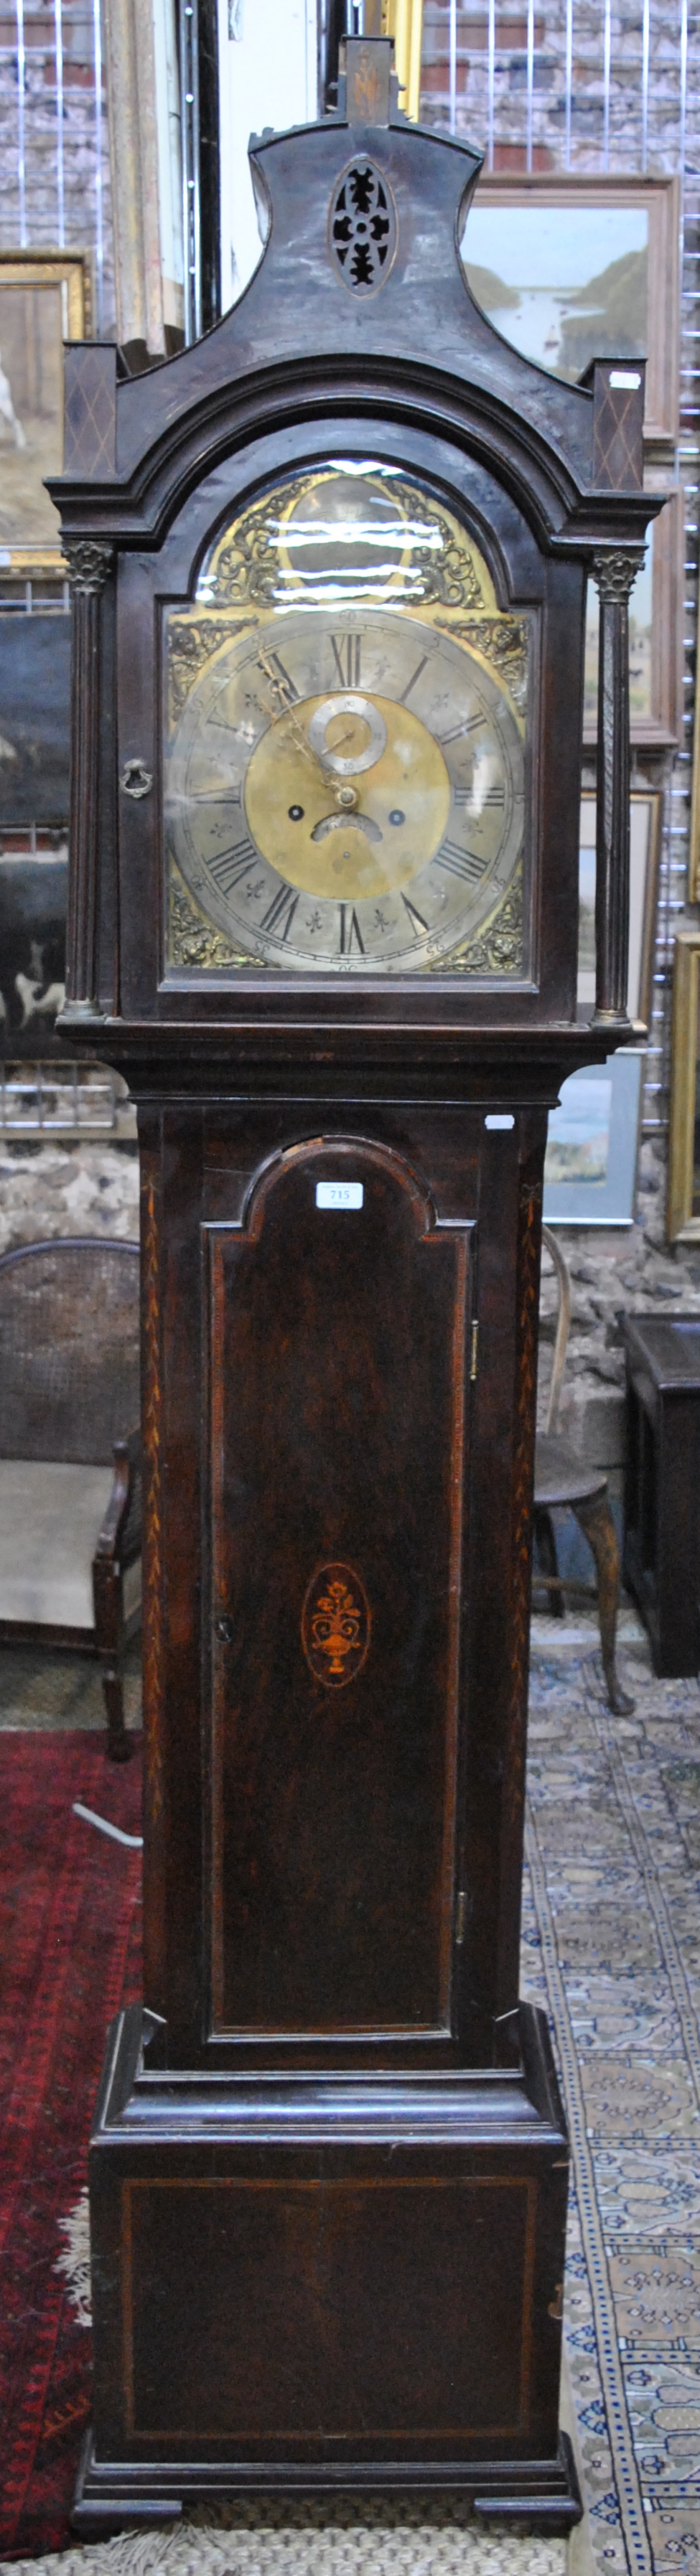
[562, 1480]
[70, 1452]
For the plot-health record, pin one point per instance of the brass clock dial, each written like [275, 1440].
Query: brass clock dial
[345, 784]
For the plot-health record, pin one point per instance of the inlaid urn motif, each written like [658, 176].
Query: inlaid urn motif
[335, 1625]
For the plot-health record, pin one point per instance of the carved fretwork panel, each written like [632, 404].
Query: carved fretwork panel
[338, 1365]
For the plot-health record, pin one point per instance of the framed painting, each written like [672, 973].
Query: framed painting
[645, 845]
[34, 719]
[33, 897]
[592, 1140]
[683, 1211]
[589, 268]
[44, 300]
[656, 638]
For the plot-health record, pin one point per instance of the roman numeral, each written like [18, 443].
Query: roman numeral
[415, 917]
[346, 655]
[272, 666]
[281, 911]
[469, 724]
[228, 866]
[469, 864]
[349, 931]
[496, 796]
[410, 684]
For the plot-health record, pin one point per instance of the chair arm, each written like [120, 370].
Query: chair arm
[127, 1462]
[118, 1546]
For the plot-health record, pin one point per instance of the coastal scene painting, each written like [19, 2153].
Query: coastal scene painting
[566, 284]
[578, 1134]
[591, 1158]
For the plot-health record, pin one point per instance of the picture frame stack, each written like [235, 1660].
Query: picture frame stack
[46, 299]
[601, 280]
[570, 267]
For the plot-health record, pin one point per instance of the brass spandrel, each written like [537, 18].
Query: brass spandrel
[192, 940]
[501, 643]
[499, 950]
[191, 640]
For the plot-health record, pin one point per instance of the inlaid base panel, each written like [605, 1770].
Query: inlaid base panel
[339, 2282]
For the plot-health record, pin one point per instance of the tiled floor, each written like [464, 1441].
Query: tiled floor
[612, 1942]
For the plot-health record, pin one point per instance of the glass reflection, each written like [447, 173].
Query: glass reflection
[351, 537]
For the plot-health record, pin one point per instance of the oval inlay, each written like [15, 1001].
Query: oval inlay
[335, 1625]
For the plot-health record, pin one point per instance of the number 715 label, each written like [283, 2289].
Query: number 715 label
[339, 1194]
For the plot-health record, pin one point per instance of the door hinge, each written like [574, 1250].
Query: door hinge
[461, 1918]
[475, 1352]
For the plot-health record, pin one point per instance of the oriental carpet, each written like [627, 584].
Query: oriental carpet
[69, 1955]
[611, 1945]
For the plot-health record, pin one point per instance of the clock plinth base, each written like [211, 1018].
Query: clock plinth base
[335, 2283]
[534, 2495]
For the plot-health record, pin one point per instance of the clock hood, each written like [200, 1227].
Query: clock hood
[360, 295]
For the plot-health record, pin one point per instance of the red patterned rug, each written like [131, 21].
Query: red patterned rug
[70, 1954]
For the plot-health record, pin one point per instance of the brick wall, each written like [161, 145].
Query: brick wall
[54, 145]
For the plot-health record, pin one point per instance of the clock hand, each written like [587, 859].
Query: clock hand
[295, 731]
[336, 787]
[345, 795]
[281, 706]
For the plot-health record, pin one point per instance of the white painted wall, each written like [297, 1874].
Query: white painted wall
[267, 76]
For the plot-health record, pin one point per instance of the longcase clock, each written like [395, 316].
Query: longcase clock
[329, 574]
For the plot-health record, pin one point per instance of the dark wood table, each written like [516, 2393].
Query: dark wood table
[662, 1489]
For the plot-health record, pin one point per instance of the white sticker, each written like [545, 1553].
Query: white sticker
[499, 1118]
[624, 381]
[339, 1194]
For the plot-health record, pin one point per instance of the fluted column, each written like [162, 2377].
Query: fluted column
[89, 564]
[614, 574]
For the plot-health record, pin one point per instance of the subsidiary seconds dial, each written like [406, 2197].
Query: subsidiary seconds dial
[346, 796]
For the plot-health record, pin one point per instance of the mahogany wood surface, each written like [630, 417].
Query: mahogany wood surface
[328, 2172]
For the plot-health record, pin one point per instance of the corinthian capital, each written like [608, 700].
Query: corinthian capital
[614, 573]
[88, 562]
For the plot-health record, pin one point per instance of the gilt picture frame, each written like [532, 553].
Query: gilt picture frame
[590, 268]
[683, 1204]
[45, 299]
